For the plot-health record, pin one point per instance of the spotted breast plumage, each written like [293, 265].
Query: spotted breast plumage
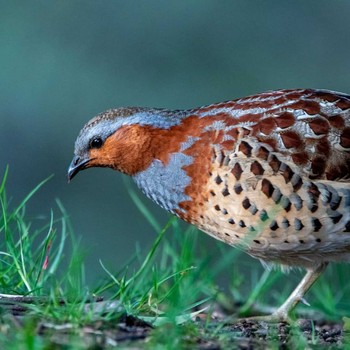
[268, 173]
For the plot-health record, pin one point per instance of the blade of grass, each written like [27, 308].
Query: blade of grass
[144, 264]
[2, 186]
[31, 193]
[257, 290]
[141, 207]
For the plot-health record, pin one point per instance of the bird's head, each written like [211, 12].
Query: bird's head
[122, 139]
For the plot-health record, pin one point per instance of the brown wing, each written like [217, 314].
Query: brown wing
[310, 126]
[314, 129]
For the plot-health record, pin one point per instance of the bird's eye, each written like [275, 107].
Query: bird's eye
[96, 142]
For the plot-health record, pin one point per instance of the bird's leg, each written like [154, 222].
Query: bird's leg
[282, 313]
[297, 295]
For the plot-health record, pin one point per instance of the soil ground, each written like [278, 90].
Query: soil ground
[129, 332]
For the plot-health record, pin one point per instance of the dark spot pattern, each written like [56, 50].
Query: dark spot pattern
[336, 217]
[267, 188]
[274, 226]
[218, 180]
[287, 173]
[267, 126]
[336, 121]
[276, 195]
[291, 139]
[319, 126]
[256, 168]
[219, 157]
[316, 223]
[300, 158]
[335, 200]
[318, 167]
[225, 192]
[246, 203]
[298, 224]
[263, 215]
[345, 138]
[263, 153]
[275, 163]
[347, 227]
[296, 182]
[245, 148]
[226, 160]
[313, 189]
[286, 204]
[324, 148]
[297, 201]
[241, 223]
[312, 205]
[237, 171]
[253, 209]
[238, 188]
[285, 120]
[285, 223]
[314, 194]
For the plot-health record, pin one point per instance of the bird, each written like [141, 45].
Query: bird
[268, 174]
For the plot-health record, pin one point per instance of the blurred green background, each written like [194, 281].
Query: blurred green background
[62, 62]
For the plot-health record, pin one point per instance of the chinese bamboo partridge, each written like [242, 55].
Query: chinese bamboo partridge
[268, 173]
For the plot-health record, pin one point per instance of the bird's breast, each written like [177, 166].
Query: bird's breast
[165, 183]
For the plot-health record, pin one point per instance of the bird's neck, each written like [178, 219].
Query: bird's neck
[164, 161]
[178, 165]
[168, 164]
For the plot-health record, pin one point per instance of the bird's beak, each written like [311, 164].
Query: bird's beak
[78, 163]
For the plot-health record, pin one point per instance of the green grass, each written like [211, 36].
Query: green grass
[168, 286]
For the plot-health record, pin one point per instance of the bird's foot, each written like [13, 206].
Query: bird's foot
[281, 315]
